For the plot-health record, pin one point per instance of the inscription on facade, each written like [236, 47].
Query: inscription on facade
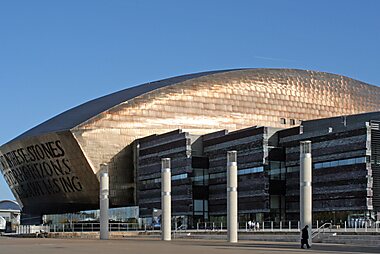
[39, 169]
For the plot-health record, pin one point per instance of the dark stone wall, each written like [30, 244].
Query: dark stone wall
[337, 188]
[253, 189]
[175, 145]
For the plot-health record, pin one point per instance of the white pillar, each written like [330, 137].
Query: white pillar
[232, 198]
[166, 200]
[305, 186]
[104, 202]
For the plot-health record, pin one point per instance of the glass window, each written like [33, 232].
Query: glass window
[360, 160]
[218, 175]
[292, 169]
[326, 164]
[250, 170]
[343, 162]
[336, 163]
[198, 205]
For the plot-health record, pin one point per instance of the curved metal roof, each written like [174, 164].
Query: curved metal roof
[85, 111]
[9, 205]
[77, 115]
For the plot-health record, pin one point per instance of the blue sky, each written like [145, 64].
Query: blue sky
[55, 55]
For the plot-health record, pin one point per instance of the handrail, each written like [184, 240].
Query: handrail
[317, 231]
[182, 228]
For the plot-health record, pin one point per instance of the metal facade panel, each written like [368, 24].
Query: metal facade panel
[49, 174]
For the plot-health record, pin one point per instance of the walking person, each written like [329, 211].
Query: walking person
[305, 237]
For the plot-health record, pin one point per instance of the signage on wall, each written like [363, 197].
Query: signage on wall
[39, 169]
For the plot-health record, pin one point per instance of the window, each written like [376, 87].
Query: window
[245, 171]
[326, 164]
[345, 162]
[179, 177]
[360, 160]
[218, 175]
[292, 122]
[248, 171]
[158, 180]
[198, 205]
[282, 120]
[293, 169]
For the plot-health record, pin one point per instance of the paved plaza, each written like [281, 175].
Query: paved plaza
[150, 246]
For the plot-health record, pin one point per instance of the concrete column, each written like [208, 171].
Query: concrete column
[232, 198]
[104, 202]
[166, 200]
[305, 186]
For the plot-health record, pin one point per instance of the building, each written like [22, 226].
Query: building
[346, 178]
[53, 167]
[10, 212]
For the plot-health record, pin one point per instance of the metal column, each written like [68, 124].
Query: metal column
[305, 187]
[104, 202]
[232, 198]
[166, 200]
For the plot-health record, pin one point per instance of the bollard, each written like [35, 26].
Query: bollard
[280, 225]
[290, 226]
[271, 226]
[345, 226]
